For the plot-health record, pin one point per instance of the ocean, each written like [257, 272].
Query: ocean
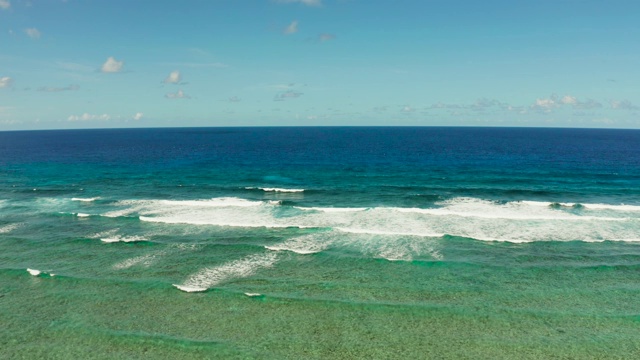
[320, 243]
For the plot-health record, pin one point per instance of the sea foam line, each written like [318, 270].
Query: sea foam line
[303, 245]
[620, 207]
[391, 233]
[330, 209]
[209, 277]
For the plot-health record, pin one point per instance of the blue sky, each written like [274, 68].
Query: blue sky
[143, 63]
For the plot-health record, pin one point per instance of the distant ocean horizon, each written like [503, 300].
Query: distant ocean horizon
[320, 242]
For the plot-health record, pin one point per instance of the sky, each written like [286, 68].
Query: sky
[155, 63]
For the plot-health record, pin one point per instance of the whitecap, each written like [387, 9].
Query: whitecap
[34, 272]
[85, 199]
[190, 289]
[125, 239]
[270, 189]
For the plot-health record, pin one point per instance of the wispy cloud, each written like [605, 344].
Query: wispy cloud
[173, 78]
[5, 82]
[326, 37]
[234, 99]
[305, 2]
[481, 104]
[624, 105]
[292, 28]
[138, 116]
[72, 87]
[5, 4]
[89, 117]
[177, 95]
[587, 104]
[33, 33]
[112, 65]
[554, 101]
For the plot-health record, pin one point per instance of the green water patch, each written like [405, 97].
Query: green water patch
[102, 320]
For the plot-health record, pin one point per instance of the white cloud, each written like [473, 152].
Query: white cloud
[33, 33]
[5, 4]
[89, 117]
[292, 28]
[545, 103]
[112, 65]
[569, 100]
[138, 116]
[177, 95]
[305, 2]
[234, 99]
[5, 82]
[173, 78]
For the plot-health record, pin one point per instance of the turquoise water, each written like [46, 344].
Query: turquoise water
[320, 243]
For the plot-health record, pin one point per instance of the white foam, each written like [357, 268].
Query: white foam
[620, 207]
[330, 209]
[148, 259]
[9, 228]
[145, 260]
[517, 210]
[34, 272]
[283, 190]
[85, 199]
[268, 189]
[218, 222]
[393, 233]
[209, 277]
[82, 215]
[215, 202]
[190, 289]
[303, 245]
[252, 294]
[297, 251]
[125, 239]
[516, 221]
[108, 233]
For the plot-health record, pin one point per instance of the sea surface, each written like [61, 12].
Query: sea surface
[320, 243]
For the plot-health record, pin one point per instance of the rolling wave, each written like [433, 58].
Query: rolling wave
[515, 221]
